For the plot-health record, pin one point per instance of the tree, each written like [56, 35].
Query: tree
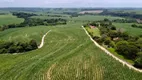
[12, 49]
[134, 25]
[139, 54]
[138, 62]
[113, 34]
[106, 19]
[33, 44]
[113, 28]
[126, 49]
[107, 41]
[122, 47]
[112, 44]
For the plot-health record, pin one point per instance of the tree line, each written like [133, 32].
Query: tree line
[124, 44]
[120, 14]
[125, 20]
[33, 21]
[17, 47]
[136, 26]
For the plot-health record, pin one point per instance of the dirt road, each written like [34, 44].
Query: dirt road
[42, 41]
[110, 54]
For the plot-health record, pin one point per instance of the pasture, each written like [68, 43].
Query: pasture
[127, 27]
[68, 54]
[136, 11]
[49, 17]
[94, 31]
[9, 19]
[94, 18]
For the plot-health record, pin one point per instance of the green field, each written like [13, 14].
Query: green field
[79, 18]
[48, 17]
[94, 31]
[68, 54]
[9, 19]
[128, 11]
[94, 18]
[127, 27]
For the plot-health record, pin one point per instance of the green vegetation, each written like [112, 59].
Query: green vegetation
[10, 19]
[67, 54]
[127, 27]
[93, 18]
[128, 11]
[124, 44]
[32, 21]
[17, 47]
[94, 31]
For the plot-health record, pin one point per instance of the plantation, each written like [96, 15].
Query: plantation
[67, 53]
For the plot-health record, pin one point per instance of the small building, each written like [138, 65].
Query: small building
[92, 26]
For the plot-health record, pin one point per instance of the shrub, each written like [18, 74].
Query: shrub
[138, 62]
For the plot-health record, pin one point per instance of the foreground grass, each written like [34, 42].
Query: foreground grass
[9, 19]
[68, 54]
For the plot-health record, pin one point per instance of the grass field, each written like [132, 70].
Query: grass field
[48, 17]
[128, 11]
[25, 33]
[94, 31]
[68, 54]
[127, 27]
[79, 18]
[9, 19]
[94, 18]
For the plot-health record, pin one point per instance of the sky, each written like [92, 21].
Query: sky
[71, 3]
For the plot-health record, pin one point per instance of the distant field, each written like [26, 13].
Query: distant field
[134, 11]
[128, 11]
[92, 12]
[93, 18]
[48, 17]
[9, 19]
[127, 27]
[79, 18]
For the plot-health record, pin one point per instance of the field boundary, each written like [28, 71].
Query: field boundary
[124, 63]
[42, 41]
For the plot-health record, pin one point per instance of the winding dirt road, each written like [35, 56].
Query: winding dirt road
[42, 41]
[110, 54]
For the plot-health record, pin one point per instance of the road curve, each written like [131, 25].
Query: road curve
[110, 54]
[42, 41]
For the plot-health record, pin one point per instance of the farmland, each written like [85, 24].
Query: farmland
[92, 12]
[94, 18]
[9, 19]
[67, 54]
[127, 27]
[128, 11]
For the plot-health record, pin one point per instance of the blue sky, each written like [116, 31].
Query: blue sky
[70, 3]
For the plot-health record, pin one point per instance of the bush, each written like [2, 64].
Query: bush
[127, 50]
[33, 44]
[138, 62]
[11, 47]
